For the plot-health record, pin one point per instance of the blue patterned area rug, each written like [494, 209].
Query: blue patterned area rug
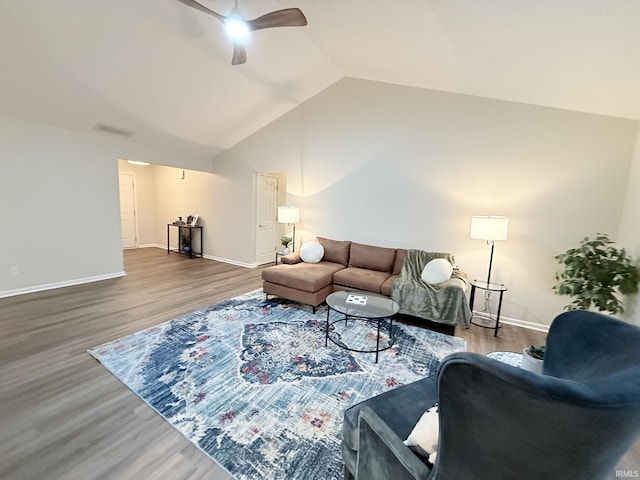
[250, 382]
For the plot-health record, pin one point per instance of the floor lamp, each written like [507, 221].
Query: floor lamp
[289, 215]
[489, 228]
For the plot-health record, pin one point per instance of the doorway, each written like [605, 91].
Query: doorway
[128, 230]
[267, 196]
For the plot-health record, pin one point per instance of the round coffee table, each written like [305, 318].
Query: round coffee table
[361, 306]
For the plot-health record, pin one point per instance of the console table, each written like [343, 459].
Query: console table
[186, 247]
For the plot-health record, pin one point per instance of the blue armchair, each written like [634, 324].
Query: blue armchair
[575, 420]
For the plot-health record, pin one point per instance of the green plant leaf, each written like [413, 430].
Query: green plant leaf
[595, 274]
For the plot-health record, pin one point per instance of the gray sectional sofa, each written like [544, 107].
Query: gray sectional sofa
[353, 266]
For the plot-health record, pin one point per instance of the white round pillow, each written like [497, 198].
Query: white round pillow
[437, 270]
[311, 252]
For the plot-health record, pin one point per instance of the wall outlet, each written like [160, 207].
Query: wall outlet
[14, 271]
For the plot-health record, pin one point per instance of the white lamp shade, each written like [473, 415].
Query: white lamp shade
[489, 227]
[288, 214]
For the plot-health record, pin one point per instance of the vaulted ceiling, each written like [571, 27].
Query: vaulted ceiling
[163, 71]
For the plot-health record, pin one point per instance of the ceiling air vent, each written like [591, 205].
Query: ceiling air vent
[101, 127]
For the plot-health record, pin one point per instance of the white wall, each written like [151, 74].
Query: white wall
[59, 203]
[408, 167]
[223, 203]
[371, 162]
[629, 234]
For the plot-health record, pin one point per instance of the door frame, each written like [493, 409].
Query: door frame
[135, 208]
[278, 194]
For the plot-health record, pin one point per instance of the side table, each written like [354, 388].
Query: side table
[487, 287]
[185, 245]
[280, 254]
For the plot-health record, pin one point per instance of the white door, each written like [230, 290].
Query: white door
[267, 195]
[127, 211]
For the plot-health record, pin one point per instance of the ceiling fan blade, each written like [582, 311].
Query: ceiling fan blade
[239, 54]
[202, 8]
[289, 17]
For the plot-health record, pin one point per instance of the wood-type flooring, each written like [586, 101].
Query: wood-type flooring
[63, 416]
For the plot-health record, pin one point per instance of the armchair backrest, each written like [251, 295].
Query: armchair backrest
[609, 346]
[577, 420]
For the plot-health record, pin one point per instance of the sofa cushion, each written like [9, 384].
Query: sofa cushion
[387, 286]
[399, 261]
[293, 257]
[308, 277]
[361, 278]
[372, 257]
[336, 251]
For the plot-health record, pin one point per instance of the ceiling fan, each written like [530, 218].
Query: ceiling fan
[238, 27]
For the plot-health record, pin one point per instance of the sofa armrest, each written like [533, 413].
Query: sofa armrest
[462, 273]
[382, 455]
[291, 258]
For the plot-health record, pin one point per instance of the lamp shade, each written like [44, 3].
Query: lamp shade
[489, 227]
[288, 214]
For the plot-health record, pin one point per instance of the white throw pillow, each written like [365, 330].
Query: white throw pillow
[311, 252]
[437, 270]
[424, 436]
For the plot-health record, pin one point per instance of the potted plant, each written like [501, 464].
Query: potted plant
[285, 240]
[532, 358]
[595, 274]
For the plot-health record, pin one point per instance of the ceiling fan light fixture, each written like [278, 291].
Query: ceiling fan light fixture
[236, 26]
[239, 29]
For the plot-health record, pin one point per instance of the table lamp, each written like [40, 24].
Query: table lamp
[289, 215]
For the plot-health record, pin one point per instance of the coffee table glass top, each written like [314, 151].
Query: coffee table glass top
[356, 304]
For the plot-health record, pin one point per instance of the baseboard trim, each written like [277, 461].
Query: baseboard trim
[66, 283]
[231, 262]
[539, 327]
[218, 259]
